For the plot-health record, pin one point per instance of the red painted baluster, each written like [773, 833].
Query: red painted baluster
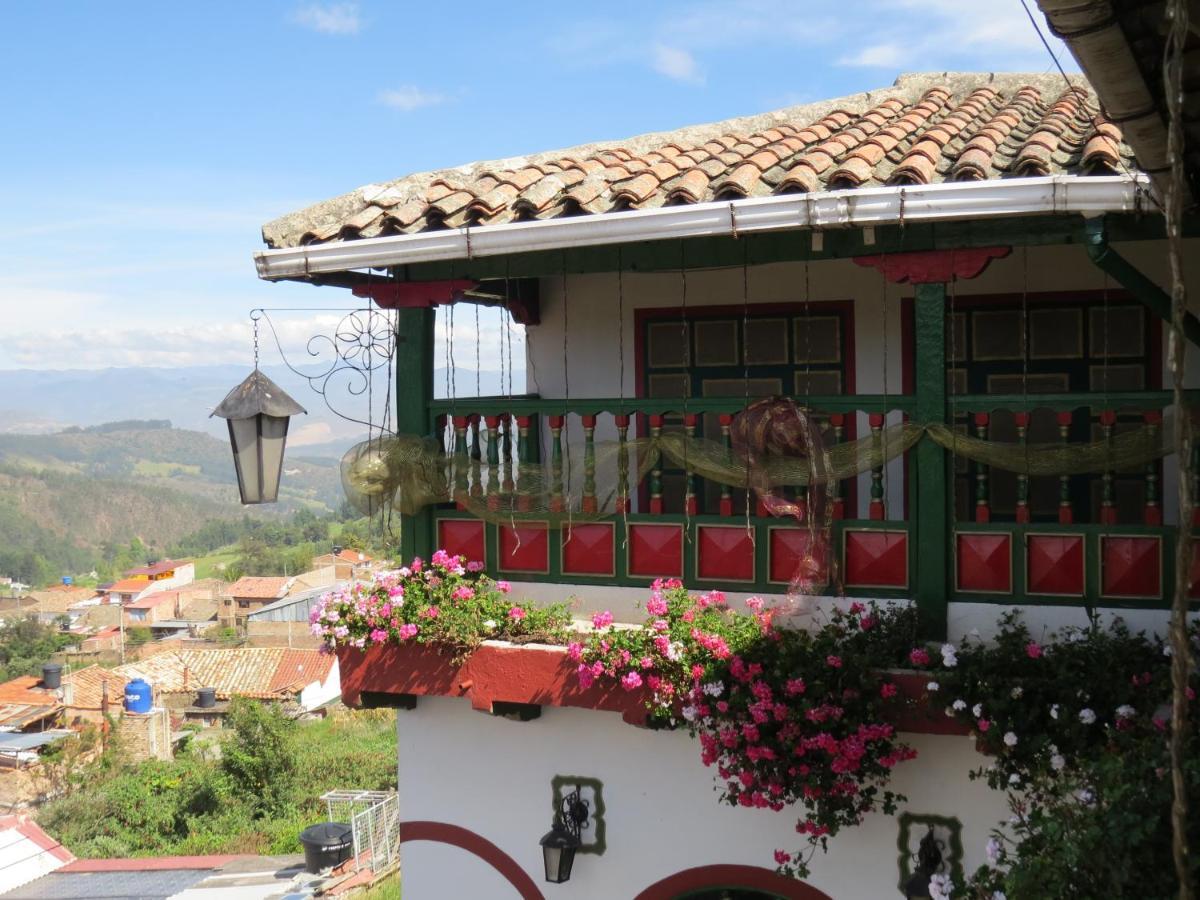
[1108, 507]
[689, 479]
[838, 422]
[726, 419]
[875, 420]
[622, 423]
[983, 511]
[1065, 515]
[656, 499]
[1022, 421]
[1152, 514]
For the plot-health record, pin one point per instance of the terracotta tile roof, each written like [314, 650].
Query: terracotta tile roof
[61, 598]
[926, 128]
[158, 568]
[262, 672]
[87, 686]
[128, 586]
[154, 600]
[23, 702]
[299, 668]
[259, 587]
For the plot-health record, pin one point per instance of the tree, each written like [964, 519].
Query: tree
[259, 755]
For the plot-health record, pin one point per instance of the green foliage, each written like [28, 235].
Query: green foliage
[138, 635]
[25, 644]
[259, 756]
[196, 804]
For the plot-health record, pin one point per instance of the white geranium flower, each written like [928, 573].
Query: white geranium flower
[1057, 762]
[714, 688]
[1054, 711]
[940, 887]
[949, 656]
[977, 710]
[933, 686]
[689, 713]
[1087, 716]
[960, 705]
[1125, 711]
[1016, 693]
[1010, 738]
[1014, 779]
[993, 850]
[999, 895]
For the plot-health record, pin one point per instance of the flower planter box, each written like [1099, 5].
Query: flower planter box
[495, 672]
[499, 672]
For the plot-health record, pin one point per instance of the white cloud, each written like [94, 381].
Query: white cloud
[408, 97]
[677, 64]
[933, 35]
[329, 18]
[887, 55]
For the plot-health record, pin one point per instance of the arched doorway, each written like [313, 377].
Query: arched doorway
[730, 882]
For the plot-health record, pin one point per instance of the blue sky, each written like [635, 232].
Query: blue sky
[145, 143]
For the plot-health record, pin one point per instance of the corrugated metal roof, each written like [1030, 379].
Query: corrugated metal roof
[294, 608]
[14, 743]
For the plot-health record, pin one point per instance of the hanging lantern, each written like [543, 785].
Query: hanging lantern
[257, 411]
[560, 843]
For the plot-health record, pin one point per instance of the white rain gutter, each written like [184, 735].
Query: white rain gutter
[961, 201]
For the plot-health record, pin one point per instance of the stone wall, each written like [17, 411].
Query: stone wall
[146, 735]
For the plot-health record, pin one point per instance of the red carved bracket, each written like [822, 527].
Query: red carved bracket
[426, 294]
[933, 266]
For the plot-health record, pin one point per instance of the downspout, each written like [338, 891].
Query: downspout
[1129, 277]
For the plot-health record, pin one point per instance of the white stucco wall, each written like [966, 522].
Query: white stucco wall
[492, 776]
[321, 692]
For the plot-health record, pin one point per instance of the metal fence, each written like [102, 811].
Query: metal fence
[374, 819]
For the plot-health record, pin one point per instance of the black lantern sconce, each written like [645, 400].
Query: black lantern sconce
[257, 411]
[929, 861]
[564, 837]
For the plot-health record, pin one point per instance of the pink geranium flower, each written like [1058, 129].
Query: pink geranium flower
[516, 614]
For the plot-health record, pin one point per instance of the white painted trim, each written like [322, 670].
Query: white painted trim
[863, 207]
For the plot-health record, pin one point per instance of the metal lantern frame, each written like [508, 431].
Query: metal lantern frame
[560, 843]
[257, 412]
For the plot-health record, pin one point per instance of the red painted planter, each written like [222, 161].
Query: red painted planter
[544, 675]
[494, 672]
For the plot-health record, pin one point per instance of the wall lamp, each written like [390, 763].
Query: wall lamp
[563, 839]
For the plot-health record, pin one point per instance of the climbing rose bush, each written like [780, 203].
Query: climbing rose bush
[784, 715]
[447, 601]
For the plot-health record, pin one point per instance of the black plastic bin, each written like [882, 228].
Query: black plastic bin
[325, 845]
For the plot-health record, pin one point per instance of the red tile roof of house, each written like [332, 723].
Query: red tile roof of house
[253, 587]
[925, 128]
[88, 686]
[128, 586]
[262, 672]
[353, 556]
[159, 568]
[23, 702]
[154, 600]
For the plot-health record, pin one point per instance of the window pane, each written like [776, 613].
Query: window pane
[668, 344]
[766, 342]
[997, 334]
[716, 343]
[1125, 334]
[1056, 334]
[817, 339]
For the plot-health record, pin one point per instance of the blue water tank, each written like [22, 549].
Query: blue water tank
[68, 580]
[137, 697]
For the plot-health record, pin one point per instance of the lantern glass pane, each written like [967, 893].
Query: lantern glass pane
[272, 437]
[243, 435]
[552, 857]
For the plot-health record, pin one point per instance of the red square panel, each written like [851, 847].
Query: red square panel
[876, 559]
[789, 552]
[656, 550]
[588, 550]
[984, 562]
[1131, 567]
[524, 548]
[1054, 564]
[463, 537]
[724, 553]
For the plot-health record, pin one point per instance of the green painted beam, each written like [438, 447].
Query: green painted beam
[526, 405]
[933, 509]
[1140, 400]
[1131, 278]
[414, 394]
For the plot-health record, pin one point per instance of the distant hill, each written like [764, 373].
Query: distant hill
[108, 484]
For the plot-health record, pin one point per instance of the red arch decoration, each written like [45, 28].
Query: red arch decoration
[444, 833]
[747, 877]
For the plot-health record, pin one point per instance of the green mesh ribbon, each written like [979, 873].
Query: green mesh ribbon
[407, 473]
